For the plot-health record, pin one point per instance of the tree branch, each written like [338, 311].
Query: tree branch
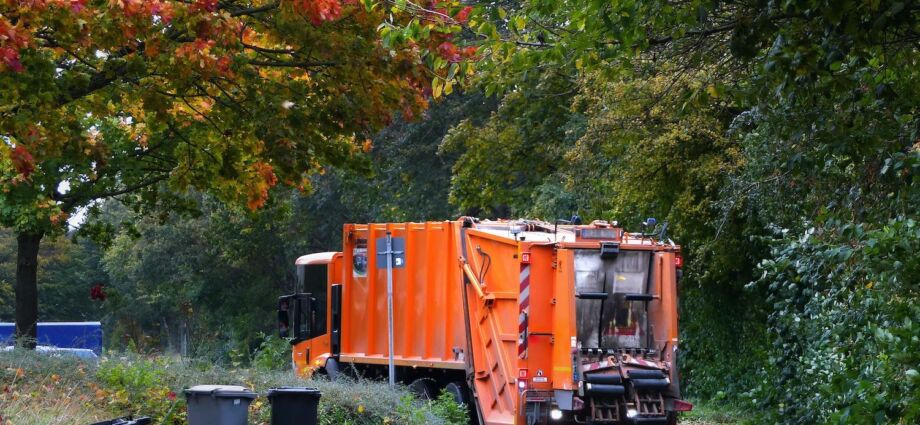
[104, 77]
[255, 10]
[131, 188]
[701, 33]
[268, 50]
[73, 198]
[292, 64]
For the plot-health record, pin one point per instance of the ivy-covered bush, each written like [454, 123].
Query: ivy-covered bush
[845, 325]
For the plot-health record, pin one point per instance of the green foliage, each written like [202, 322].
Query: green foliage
[446, 407]
[500, 161]
[67, 270]
[273, 354]
[730, 120]
[716, 412]
[845, 324]
[410, 177]
[206, 285]
[140, 386]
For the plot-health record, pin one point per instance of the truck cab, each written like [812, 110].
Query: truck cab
[304, 317]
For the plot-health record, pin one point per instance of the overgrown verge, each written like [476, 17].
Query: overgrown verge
[38, 389]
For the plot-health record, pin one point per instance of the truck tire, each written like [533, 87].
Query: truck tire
[458, 392]
[424, 388]
[332, 369]
[672, 418]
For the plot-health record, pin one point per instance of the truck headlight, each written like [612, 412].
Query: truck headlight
[555, 414]
[631, 413]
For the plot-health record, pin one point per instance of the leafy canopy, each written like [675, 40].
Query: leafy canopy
[110, 98]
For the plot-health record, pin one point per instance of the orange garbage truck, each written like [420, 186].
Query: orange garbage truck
[526, 322]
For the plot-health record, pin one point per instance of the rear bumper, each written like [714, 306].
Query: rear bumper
[607, 407]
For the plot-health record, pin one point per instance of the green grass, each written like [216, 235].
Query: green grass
[38, 389]
[710, 413]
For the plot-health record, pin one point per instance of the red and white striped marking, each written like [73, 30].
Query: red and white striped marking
[630, 360]
[606, 364]
[524, 306]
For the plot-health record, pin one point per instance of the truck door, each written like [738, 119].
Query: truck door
[313, 278]
[302, 316]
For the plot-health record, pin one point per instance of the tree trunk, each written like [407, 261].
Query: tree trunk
[27, 288]
[183, 338]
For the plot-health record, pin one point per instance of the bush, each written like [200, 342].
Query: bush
[445, 407]
[273, 354]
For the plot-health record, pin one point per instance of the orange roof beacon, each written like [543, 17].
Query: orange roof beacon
[527, 322]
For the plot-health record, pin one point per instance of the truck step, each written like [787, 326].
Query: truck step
[605, 413]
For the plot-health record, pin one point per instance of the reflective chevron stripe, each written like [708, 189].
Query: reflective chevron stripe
[524, 306]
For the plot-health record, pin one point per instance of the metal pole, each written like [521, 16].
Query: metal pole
[389, 254]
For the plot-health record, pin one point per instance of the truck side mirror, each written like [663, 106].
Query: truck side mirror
[303, 317]
[284, 317]
[295, 317]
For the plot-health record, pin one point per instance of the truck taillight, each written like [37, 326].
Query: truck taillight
[678, 261]
[682, 406]
[525, 258]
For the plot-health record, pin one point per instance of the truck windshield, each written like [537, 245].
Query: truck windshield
[609, 319]
[312, 280]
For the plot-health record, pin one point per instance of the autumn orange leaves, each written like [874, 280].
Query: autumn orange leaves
[319, 11]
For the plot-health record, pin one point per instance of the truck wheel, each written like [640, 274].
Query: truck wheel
[458, 392]
[672, 418]
[332, 369]
[424, 388]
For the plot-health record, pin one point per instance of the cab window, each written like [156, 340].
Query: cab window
[312, 280]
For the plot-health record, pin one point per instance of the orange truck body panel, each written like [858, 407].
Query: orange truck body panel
[504, 304]
[428, 309]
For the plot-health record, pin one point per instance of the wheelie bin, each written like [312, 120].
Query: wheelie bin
[218, 404]
[294, 405]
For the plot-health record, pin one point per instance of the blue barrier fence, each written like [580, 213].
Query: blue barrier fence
[61, 334]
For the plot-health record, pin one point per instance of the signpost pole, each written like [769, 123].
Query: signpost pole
[389, 254]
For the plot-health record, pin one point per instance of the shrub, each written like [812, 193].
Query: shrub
[273, 354]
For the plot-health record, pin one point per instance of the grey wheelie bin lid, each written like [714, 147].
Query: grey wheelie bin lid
[218, 404]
